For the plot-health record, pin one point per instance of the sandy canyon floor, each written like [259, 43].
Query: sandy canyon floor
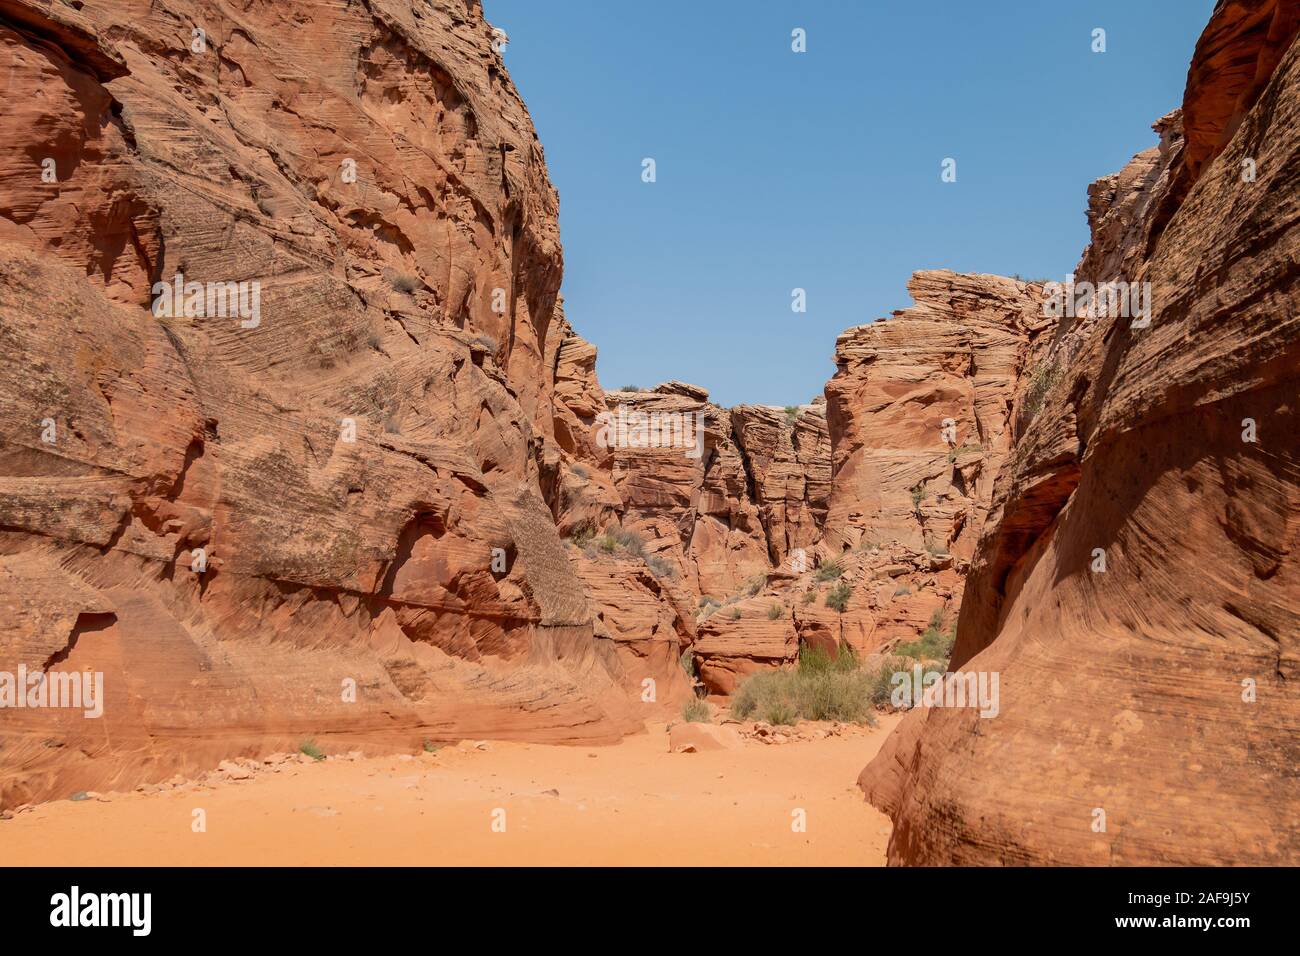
[634, 803]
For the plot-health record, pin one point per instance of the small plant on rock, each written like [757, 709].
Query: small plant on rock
[311, 750]
[829, 571]
[837, 599]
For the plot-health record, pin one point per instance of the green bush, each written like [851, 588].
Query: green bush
[618, 539]
[687, 660]
[780, 713]
[828, 571]
[311, 750]
[629, 541]
[820, 687]
[881, 690]
[954, 453]
[814, 660]
[932, 645]
[838, 597]
[696, 711]
[918, 492]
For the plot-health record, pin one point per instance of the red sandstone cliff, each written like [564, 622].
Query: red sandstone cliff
[1149, 711]
[267, 528]
[407, 525]
[365, 512]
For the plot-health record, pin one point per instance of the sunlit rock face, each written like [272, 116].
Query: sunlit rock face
[319, 505]
[1135, 583]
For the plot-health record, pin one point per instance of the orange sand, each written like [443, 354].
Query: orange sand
[629, 804]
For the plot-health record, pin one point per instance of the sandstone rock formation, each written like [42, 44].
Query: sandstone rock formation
[328, 513]
[338, 506]
[296, 441]
[920, 417]
[1158, 688]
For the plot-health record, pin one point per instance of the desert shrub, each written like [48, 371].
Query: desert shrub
[918, 492]
[774, 612]
[581, 471]
[660, 567]
[820, 687]
[696, 711]
[955, 452]
[402, 282]
[687, 660]
[735, 614]
[809, 597]
[582, 534]
[630, 388]
[838, 597]
[882, 685]
[828, 571]
[781, 713]
[932, 645]
[311, 750]
[815, 659]
[616, 538]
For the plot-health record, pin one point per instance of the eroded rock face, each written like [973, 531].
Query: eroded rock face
[349, 494]
[788, 454]
[323, 514]
[1158, 688]
[920, 415]
[1235, 58]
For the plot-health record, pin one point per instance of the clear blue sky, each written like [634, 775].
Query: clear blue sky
[820, 170]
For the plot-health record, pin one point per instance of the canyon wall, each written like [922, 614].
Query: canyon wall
[917, 421]
[386, 500]
[1135, 584]
[296, 441]
[328, 513]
